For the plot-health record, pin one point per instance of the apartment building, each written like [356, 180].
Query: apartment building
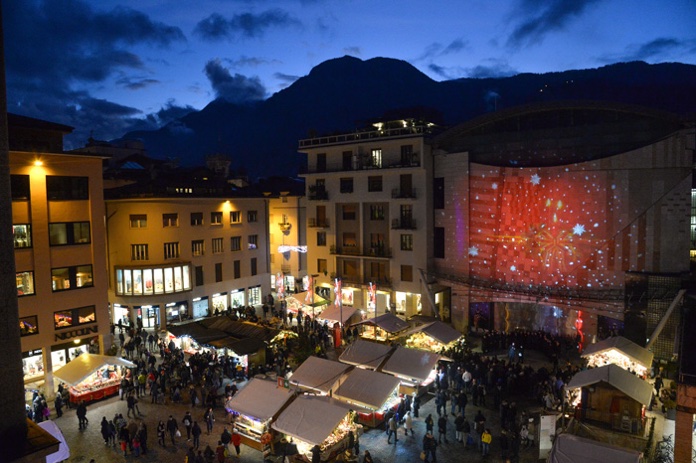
[60, 249]
[368, 223]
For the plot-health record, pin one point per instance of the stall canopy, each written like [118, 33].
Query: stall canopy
[63, 452]
[633, 351]
[628, 383]
[387, 322]
[366, 388]
[240, 329]
[83, 366]
[319, 374]
[568, 448]
[299, 301]
[365, 354]
[261, 399]
[197, 331]
[311, 418]
[412, 364]
[336, 314]
[240, 347]
[441, 332]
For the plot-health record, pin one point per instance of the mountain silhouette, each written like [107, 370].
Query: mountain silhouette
[342, 94]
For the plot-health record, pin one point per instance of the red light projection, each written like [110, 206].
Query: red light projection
[544, 227]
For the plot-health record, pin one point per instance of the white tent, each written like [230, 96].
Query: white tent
[260, 399]
[628, 383]
[626, 347]
[366, 388]
[387, 322]
[337, 314]
[568, 448]
[311, 418]
[63, 452]
[411, 364]
[441, 332]
[83, 366]
[365, 354]
[319, 374]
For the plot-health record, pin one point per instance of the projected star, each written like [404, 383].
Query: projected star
[535, 179]
[473, 251]
[578, 229]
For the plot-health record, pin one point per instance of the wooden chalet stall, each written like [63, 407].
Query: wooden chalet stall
[366, 354]
[375, 393]
[319, 376]
[620, 351]
[309, 303]
[384, 328]
[257, 404]
[611, 396]
[414, 367]
[434, 337]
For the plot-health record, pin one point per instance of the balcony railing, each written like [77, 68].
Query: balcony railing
[361, 163]
[318, 193]
[318, 223]
[405, 193]
[381, 282]
[404, 223]
[369, 251]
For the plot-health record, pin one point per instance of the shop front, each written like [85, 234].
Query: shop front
[92, 377]
[120, 314]
[201, 307]
[61, 354]
[372, 392]
[254, 296]
[219, 303]
[177, 312]
[148, 314]
[407, 304]
[237, 298]
[33, 365]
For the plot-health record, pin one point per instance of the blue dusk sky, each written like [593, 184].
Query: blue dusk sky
[113, 66]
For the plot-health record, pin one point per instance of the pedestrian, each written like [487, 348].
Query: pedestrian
[131, 401]
[220, 452]
[226, 438]
[105, 431]
[316, 454]
[161, 429]
[236, 440]
[391, 430]
[442, 429]
[486, 439]
[209, 454]
[188, 424]
[367, 458]
[459, 428]
[173, 429]
[82, 415]
[196, 433]
[136, 446]
[209, 419]
[408, 423]
[429, 448]
[429, 423]
[190, 456]
[58, 404]
[142, 436]
[479, 427]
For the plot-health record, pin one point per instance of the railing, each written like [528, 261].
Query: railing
[404, 223]
[406, 193]
[318, 223]
[382, 282]
[366, 135]
[318, 193]
[361, 164]
[369, 251]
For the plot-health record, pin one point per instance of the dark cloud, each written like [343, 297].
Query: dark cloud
[132, 83]
[539, 17]
[352, 51]
[217, 27]
[436, 49]
[171, 111]
[660, 48]
[286, 79]
[439, 70]
[233, 88]
[491, 68]
[250, 61]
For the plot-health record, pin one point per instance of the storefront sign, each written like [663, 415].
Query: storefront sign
[75, 333]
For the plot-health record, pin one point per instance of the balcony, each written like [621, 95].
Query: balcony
[404, 223]
[363, 162]
[357, 280]
[318, 193]
[318, 223]
[369, 251]
[405, 193]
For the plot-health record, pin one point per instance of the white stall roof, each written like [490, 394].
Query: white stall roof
[568, 448]
[388, 322]
[63, 452]
[414, 364]
[318, 374]
[260, 399]
[441, 332]
[630, 349]
[367, 388]
[336, 314]
[311, 418]
[365, 354]
[81, 367]
[628, 383]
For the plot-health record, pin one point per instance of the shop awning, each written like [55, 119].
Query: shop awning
[261, 399]
[365, 354]
[335, 314]
[387, 322]
[319, 374]
[197, 331]
[413, 364]
[568, 448]
[240, 347]
[633, 351]
[311, 418]
[628, 383]
[441, 332]
[367, 388]
[83, 366]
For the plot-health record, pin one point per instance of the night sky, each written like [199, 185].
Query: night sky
[114, 66]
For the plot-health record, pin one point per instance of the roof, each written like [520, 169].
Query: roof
[261, 399]
[311, 418]
[318, 374]
[367, 388]
[387, 322]
[197, 331]
[628, 383]
[334, 313]
[441, 332]
[240, 347]
[414, 364]
[83, 366]
[627, 347]
[365, 353]
[240, 329]
[300, 299]
[568, 448]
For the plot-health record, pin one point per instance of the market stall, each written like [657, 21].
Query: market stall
[257, 404]
[307, 302]
[319, 375]
[434, 337]
[313, 420]
[365, 354]
[333, 315]
[620, 351]
[383, 328]
[192, 336]
[374, 392]
[92, 377]
[414, 367]
[246, 352]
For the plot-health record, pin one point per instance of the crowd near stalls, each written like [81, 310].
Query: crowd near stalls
[319, 421]
[92, 377]
[619, 351]
[373, 394]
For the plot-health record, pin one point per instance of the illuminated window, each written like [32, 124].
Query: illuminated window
[25, 283]
[28, 326]
[147, 281]
[376, 212]
[139, 252]
[171, 250]
[235, 217]
[216, 218]
[253, 241]
[170, 220]
[196, 219]
[138, 220]
[376, 157]
[66, 278]
[197, 247]
[217, 245]
[74, 317]
[407, 242]
[236, 243]
[21, 235]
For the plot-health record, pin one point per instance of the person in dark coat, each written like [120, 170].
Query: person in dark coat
[196, 432]
[105, 430]
[82, 415]
[316, 454]
[429, 447]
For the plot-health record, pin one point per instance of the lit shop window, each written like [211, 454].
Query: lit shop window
[22, 235]
[74, 317]
[25, 283]
[67, 278]
[254, 295]
[147, 281]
